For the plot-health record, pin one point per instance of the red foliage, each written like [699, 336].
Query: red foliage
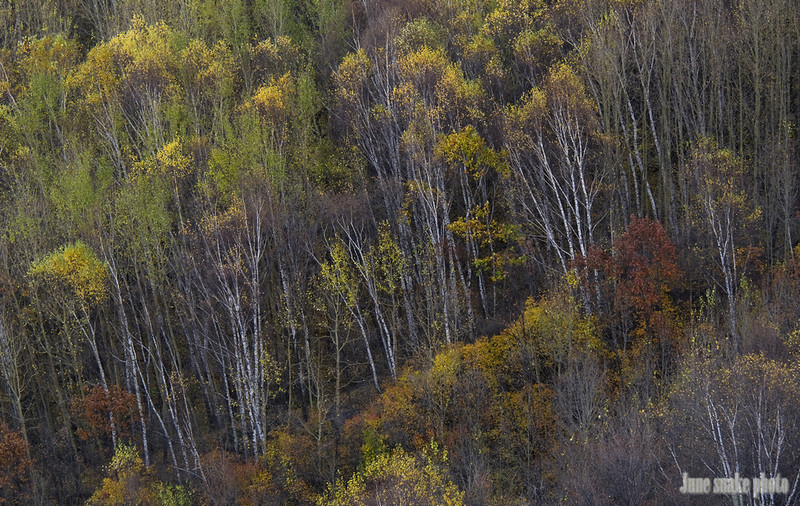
[641, 269]
[644, 265]
[632, 283]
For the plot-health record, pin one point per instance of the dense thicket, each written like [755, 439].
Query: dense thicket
[445, 252]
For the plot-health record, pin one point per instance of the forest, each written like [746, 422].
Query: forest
[363, 252]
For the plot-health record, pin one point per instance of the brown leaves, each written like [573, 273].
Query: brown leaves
[14, 464]
[94, 410]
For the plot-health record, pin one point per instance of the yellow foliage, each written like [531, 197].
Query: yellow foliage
[446, 366]
[511, 18]
[49, 55]
[417, 34]
[209, 70]
[272, 101]
[395, 477]
[170, 161]
[128, 481]
[479, 51]
[76, 266]
[556, 331]
[433, 89]
[142, 59]
[337, 276]
[388, 259]
[526, 117]
[565, 90]
[275, 57]
[398, 407]
[534, 49]
[352, 78]
[97, 78]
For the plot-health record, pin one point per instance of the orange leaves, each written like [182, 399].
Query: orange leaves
[231, 480]
[642, 267]
[399, 414]
[631, 287]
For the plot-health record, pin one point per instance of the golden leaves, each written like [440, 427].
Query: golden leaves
[275, 57]
[272, 101]
[230, 221]
[337, 276]
[142, 61]
[170, 165]
[535, 49]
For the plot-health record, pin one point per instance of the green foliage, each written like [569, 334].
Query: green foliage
[81, 192]
[418, 34]
[143, 209]
[172, 495]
